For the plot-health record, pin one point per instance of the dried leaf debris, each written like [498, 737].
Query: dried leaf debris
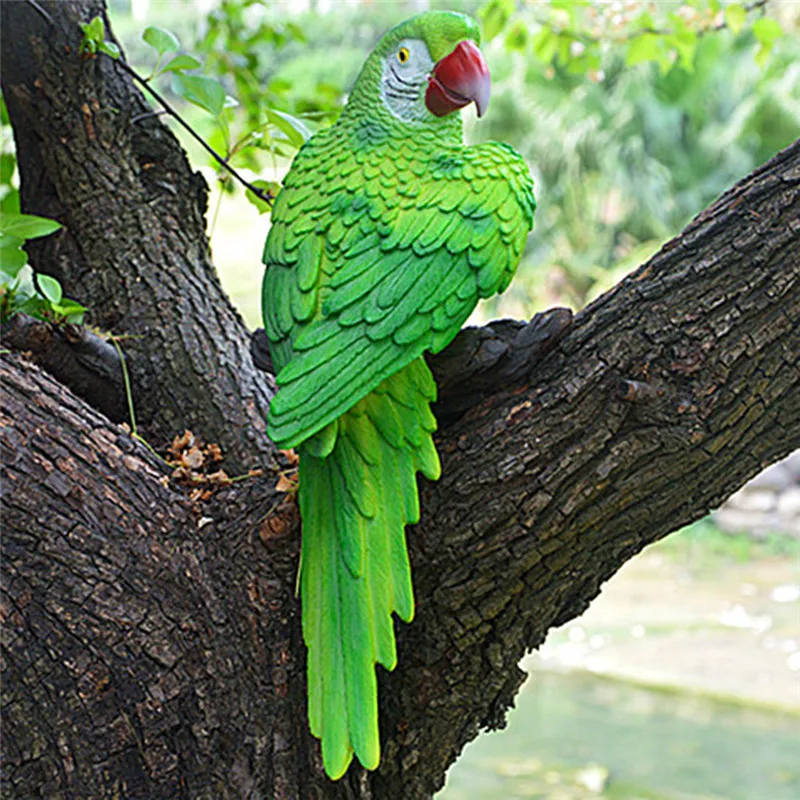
[196, 466]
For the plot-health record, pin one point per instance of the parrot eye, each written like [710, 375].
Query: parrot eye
[403, 55]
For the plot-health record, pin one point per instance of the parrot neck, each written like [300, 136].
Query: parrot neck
[383, 128]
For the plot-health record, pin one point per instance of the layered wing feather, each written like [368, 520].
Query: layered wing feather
[382, 268]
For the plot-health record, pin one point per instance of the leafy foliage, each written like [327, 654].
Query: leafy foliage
[577, 34]
[249, 124]
[40, 296]
[21, 290]
[626, 147]
[259, 126]
[633, 115]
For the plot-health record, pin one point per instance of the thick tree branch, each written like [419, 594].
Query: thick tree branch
[548, 490]
[147, 641]
[185, 630]
[147, 85]
[78, 358]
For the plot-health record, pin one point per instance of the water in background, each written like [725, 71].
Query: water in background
[577, 735]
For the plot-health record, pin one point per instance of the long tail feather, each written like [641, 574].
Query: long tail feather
[356, 497]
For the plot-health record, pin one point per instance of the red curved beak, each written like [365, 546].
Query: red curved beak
[459, 79]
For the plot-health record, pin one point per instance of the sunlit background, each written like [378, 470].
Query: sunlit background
[682, 679]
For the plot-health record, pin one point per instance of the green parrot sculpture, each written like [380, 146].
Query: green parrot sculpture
[387, 231]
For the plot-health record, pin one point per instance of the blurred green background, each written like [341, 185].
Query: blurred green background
[682, 679]
[626, 143]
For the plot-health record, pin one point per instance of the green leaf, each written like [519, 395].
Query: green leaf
[642, 48]
[216, 139]
[735, 17]
[295, 130]
[109, 48]
[247, 156]
[494, 16]
[545, 44]
[767, 31]
[180, 63]
[34, 306]
[8, 164]
[222, 124]
[9, 240]
[12, 257]
[570, 5]
[162, 40]
[643, 22]
[266, 186]
[281, 85]
[50, 288]
[70, 310]
[685, 44]
[564, 43]
[517, 36]
[23, 286]
[95, 30]
[27, 226]
[204, 92]
[589, 60]
[279, 149]
[6, 281]
[665, 58]
[10, 203]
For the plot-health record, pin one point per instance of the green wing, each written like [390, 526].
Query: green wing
[353, 295]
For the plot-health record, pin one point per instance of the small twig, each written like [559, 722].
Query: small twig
[254, 473]
[127, 382]
[123, 337]
[724, 24]
[139, 438]
[267, 197]
[147, 115]
[115, 340]
[217, 207]
[35, 5]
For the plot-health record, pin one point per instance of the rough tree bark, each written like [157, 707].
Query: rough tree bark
[151, 644]
[134, 249]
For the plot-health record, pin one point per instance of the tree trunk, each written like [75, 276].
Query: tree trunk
[93, 156]
[151, 641]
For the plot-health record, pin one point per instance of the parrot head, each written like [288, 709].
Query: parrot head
[427, 67]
